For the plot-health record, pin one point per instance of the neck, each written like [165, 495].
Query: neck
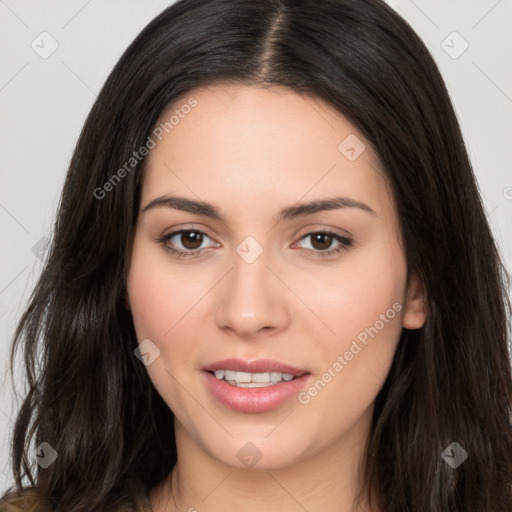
[326, 481]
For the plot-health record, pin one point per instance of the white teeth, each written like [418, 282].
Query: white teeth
[252, 380]
[276, 376]
[261, 377]
[229, 375]
[243, 377]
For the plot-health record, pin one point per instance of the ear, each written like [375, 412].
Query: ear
[415, 304]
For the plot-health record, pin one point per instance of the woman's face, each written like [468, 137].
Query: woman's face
[259, 283]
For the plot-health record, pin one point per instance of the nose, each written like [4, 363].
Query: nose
[251, 299]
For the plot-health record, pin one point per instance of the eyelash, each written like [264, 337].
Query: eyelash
[344, 244]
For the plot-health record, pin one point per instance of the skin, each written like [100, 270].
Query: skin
[251, 151]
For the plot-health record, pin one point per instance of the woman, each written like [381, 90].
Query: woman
[272, 282]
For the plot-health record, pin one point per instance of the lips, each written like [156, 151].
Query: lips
[257, 366]
[254, 399]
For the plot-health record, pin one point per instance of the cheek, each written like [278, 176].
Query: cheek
[160, 294]
[362, 304]
[151, 301]
[353, 296]
[167, 302]
[161, 302]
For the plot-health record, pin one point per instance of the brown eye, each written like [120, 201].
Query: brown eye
[191, 239]
[185, 243]
[321, 241]
[325, 243]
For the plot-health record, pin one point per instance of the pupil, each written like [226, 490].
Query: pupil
[319, 237]
[191, 239]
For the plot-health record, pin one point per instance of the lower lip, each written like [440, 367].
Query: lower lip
[254, 399]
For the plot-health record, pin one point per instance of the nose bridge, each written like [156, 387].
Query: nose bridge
[251, 298]
[250, 271]
[249, 281]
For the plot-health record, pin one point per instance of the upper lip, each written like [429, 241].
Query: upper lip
[254, 366]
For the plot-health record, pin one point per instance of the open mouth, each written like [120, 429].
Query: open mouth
[255, 391]
[252, 380]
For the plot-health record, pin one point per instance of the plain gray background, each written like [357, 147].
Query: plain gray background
[44, 99]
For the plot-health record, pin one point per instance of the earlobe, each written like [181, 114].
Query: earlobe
[416, 304]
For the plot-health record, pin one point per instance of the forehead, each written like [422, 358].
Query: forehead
[257, 143]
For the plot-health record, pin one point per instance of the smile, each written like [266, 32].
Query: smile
[252, 380]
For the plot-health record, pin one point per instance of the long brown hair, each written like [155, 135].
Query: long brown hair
[91, 399]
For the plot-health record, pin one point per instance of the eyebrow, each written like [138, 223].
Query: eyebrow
[290, 212]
